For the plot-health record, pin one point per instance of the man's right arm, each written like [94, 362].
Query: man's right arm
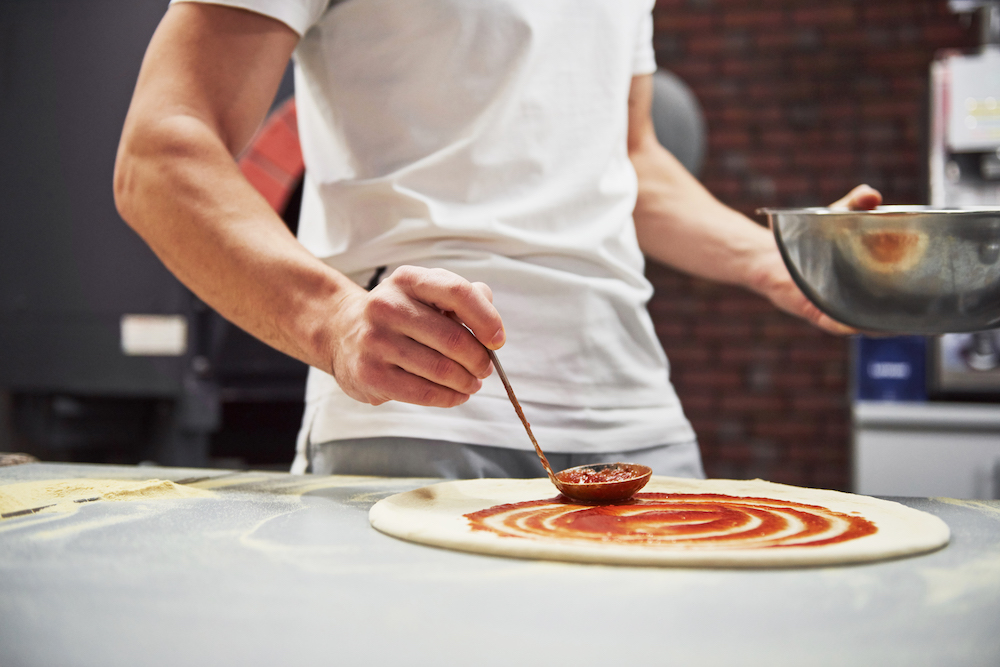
[206, 83]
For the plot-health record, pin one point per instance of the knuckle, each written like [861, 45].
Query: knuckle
[463, 290]
[483, 367]
[485, 290]
[367, 376]
[372, 341]
[379, 308]
[440, 274]
[454, 341]
[405, 275]
[442, 369]
[429, 395]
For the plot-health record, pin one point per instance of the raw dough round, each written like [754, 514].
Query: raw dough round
[436, 515]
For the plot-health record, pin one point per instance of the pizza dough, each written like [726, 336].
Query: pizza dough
[698, 523]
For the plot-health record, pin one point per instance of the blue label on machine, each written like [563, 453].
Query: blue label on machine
[891, 369]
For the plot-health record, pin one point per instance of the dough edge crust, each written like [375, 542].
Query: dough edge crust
[434, 515]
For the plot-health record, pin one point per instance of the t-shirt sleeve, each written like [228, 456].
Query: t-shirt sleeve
[644, 60]
[299, 15]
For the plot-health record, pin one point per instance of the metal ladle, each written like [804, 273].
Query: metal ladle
[629, 477]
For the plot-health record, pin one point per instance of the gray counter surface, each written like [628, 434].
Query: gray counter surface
[284, 570]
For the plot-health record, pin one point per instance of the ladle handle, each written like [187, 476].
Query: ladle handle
[513, 401]
[520, 413]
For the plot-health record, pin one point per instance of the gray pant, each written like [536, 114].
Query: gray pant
[415, 457]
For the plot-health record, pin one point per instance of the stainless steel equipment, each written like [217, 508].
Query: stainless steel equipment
[103, 354]
[901, 269]
[965, 365]
[948, 447]
[964, 151]
[965, 117]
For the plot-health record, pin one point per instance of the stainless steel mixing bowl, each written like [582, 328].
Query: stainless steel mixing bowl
[900, 269]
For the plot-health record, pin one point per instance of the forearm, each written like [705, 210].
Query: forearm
[681, 224]
[209, 74]
[178, 186]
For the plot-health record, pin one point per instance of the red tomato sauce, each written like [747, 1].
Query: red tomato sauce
[590, 476]
[693, 521]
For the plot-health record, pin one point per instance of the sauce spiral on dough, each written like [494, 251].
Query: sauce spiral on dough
[690, 521]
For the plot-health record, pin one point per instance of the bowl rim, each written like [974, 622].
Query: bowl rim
[881, 211]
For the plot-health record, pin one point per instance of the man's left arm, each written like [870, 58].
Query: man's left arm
[681, 224]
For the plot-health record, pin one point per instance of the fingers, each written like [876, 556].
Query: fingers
[485, 290]
[778, 286]
[830, 325]
[861, 198]
[472, 303]
[380, 383]
[400, 385]
[376, 363]
[401, 344]
[453, 359]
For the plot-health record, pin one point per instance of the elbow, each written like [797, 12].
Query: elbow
[125, 180]
[142, 163]
[122, 185]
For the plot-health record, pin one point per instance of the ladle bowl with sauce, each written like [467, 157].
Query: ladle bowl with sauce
[602, 482]
[596, 483]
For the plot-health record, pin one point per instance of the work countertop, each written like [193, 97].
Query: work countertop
[283, 570]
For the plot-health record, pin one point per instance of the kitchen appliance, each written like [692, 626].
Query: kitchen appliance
[964, 148]
[950, 444]
[890, 368]
[965, 117]
[104, 355]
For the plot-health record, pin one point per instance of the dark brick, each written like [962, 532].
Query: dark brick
[761, 19]
[723, 330]
[804, 353]
[693, 71]
[898, 61]
[706, 45]
[749, 403]
[729, 139]
[829, 159]
[719, 379]
[786, 429]
[742, 352]
[779, 138]
[817, 402]
[825, 14]
[888, 12]
[947, 34]
[695, 402]
[672, 330]
[689, 353]
[680, 22]
[795, 380]
[850, 40]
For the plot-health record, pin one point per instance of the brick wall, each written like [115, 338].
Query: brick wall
[804, 99]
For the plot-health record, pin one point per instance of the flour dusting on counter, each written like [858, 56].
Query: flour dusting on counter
[65, 495]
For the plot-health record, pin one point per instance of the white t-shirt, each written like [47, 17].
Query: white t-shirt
[488, 137]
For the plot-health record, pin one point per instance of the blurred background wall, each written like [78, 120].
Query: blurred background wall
[803, 100]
